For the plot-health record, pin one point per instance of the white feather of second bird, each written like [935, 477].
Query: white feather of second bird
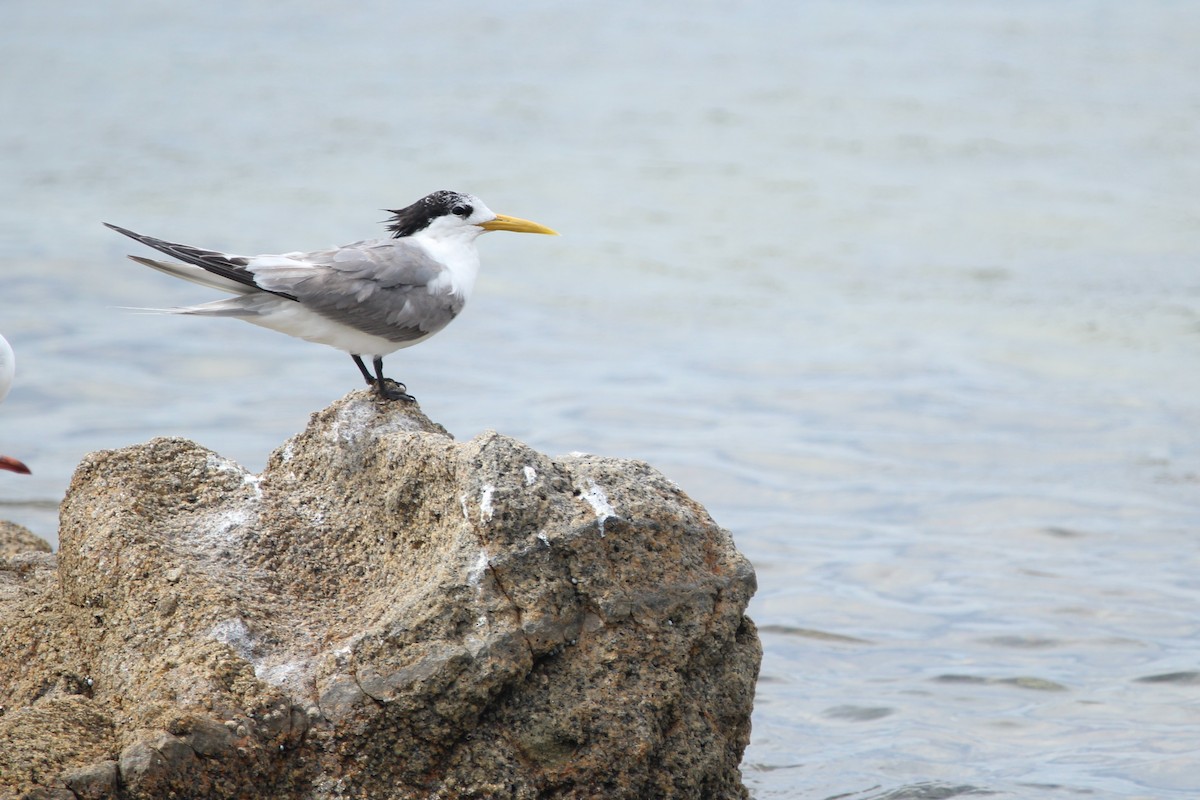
[8, 367]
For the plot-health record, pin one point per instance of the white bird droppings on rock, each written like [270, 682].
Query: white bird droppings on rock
[291, 674]
[485, 503]
[233, 632]
[475, 573]
[253, 481]
[598, 500]
[226, 527]
[218, 464]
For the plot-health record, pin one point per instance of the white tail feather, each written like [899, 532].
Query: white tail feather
[195, 275]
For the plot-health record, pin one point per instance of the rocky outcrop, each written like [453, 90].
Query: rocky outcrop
[382, 613]
[16, 539]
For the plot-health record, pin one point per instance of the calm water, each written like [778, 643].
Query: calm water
[905, 293]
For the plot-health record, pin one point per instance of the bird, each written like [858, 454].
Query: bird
[8, 368]
[369, 298]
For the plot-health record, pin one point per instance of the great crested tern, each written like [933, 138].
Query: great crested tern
[369, 298]
[8, 368]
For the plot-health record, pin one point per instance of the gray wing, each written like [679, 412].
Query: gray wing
[379, 287]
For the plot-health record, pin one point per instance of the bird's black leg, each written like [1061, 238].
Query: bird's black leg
[370, 379]
[398, 391]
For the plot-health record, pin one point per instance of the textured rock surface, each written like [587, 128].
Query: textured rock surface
[15, 539]
[383, 613]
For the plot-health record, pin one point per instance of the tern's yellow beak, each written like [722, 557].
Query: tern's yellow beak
[506, 223]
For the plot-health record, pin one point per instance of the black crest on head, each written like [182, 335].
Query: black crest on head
[407, 221]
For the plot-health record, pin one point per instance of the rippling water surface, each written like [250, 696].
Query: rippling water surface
[906, 293]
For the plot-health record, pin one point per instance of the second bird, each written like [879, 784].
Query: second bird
[370, 298]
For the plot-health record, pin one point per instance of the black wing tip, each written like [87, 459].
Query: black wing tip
[120, 230]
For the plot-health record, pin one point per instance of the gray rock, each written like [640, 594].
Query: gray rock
[385, 612]
[209, 738]
[96, 781]
[142, 766]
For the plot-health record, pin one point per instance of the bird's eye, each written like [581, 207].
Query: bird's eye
[461, 211]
